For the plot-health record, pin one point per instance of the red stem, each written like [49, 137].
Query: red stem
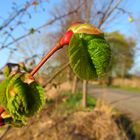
[45, 58]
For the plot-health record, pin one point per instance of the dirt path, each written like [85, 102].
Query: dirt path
[126, 101]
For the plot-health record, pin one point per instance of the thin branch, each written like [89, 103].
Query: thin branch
[30, 58]
[11, 18]
[45, 58]
[56, 74]
[42, 26]
[15, 14]
[112, 10]
[106, 15]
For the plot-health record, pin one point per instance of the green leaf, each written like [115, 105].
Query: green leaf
[89, 55]
[99, 51]
[3, 86]
[79, 58]
[7, 71]
[23, 99]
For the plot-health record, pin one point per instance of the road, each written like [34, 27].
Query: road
[126, 101]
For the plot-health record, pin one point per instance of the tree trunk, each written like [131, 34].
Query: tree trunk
[84, 101]
[74, 86]
[69, 74]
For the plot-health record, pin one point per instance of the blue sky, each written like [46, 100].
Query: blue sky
[40, 17]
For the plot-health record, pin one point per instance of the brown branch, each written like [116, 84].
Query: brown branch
[45, 58]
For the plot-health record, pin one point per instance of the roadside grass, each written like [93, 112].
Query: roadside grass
[65, 117]
[130, 127]
[74, 99]
[127, 88]
[136, 129]
[72, 102]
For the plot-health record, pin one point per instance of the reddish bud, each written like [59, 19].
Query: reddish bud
[1, 119]
[1, 110]
[66, 38]
[76, 23]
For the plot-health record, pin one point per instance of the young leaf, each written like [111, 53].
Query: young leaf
[89, 55]
[7, 71]
[99, 51]
[21, 97]
[3, 86]
[79, 58]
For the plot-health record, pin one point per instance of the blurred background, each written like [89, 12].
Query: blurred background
[29, 29]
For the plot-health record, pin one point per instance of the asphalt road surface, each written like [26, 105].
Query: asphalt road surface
[126, 101]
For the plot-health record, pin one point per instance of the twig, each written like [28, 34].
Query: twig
[56, 74]
[45, 58]
[42, 26]
[11, 18]
[107, 14]
[104, 13]
[49, 54]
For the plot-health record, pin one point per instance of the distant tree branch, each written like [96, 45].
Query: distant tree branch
[56, 74]
[42, 26]
[107, 13]
[14, 15]
[11, 18]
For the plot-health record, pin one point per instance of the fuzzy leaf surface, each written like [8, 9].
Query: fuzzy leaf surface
[20, 99]
[89, 55]
[100, 54]
[23, 100]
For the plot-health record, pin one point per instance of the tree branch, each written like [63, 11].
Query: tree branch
[42, 26]
[107, 13]
[56, 74]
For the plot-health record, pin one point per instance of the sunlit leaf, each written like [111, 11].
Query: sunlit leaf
[89, 55]
[79, 58]
[20, 97]
[100, 54]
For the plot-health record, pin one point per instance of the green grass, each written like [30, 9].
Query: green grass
[136, 129]
[127, 88]
[71, 102]
[74, 99]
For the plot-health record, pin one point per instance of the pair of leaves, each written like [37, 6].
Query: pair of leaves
[89, 55]
[19, 98]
